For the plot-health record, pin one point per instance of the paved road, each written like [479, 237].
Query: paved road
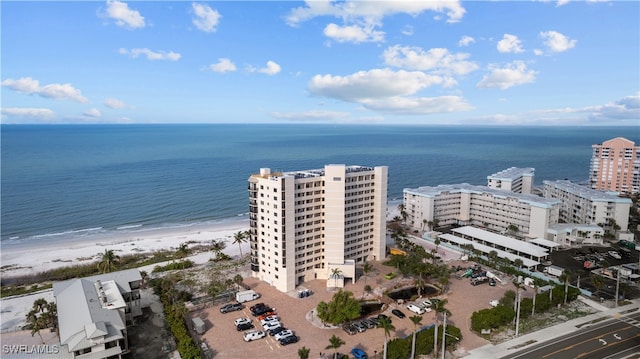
[613, 338]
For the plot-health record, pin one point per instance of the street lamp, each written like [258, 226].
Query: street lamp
[444, 332]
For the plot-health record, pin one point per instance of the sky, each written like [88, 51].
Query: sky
[353, 62]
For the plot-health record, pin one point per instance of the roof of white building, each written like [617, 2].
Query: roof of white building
[586, 192]
[569, 227]
[533, 200]
[544, 243]
[512, 173]
[486, 249]
[503, 241]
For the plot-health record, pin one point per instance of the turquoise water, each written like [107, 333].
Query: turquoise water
[76, 180]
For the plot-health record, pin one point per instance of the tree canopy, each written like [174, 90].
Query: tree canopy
[343, 307]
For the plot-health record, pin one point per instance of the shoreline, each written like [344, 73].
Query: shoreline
[31, 257]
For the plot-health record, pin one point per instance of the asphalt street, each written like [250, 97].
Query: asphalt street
[618, 337]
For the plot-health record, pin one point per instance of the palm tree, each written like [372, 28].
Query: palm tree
[598, 282]
[424, 222]
[335, 343]
[237, 279]
[385, 323]
[564, 277]
[108, 261]
[182, 252]
[303, 353]
[415, 319]
[335, 274]
[438, 307]
[239, 238]
[144, 275]
[217, 247]
[42, 315]
[366, 269]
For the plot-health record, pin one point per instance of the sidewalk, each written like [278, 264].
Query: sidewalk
[517, 344]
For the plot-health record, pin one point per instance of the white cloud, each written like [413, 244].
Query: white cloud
[361, 18]
[206, 19]
[223, 65]
[92, 113]
[627, 108]
[418, 105]
[351, 10]
[29, 86]
[151, 55]
[311, 116]
[353, 33]
[123, 16]
[114, 103]
[377, 83]
[272, 68]
[437, 60]
[515, 73]
[557, 42]
[509, 43]
[35, 113]
[387, 91]
[466, 41]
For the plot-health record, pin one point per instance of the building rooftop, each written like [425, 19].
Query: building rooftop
[586, 192]
[486, 249]
[533, 200]
[512, 173]
[503, 241]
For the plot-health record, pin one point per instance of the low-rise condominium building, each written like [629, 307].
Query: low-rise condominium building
[514, 179]
[497, 210]
[584, 205]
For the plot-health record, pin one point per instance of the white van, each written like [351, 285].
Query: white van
[414, 308]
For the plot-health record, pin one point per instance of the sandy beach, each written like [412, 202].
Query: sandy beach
[23, 259]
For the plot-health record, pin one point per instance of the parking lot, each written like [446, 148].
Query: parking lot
[296, 314]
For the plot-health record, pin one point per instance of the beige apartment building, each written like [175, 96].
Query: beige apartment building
[581, 204]
[514, 179]
[615, 166]
[468, 205]
[316, 223]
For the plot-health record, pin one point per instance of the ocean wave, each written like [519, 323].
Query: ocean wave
[69, 233]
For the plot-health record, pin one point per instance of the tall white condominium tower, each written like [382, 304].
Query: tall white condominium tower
[615, 166]
[316, 223]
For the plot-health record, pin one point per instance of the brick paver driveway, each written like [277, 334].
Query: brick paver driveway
[226, 342]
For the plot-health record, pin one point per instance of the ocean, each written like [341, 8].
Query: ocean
[60, 181]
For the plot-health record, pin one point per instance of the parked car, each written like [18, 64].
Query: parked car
[241, 321]
[349, 329]
[381, 316]
[398, 313]
[257, 305]
[268, 319]
[414, 308]
[261, 310]
[358, 353]
[267, 314]
[277, 330]
[494, 303]
[253, 335]
[282, 334]
[271, 325]
[360, 327]
[615, 254]
[369, 322]
[426, 303]
[232, 307]
[244, 326]
[289, 340]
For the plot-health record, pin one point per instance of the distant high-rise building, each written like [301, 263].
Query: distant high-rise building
[316, 223]
[615, 166]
